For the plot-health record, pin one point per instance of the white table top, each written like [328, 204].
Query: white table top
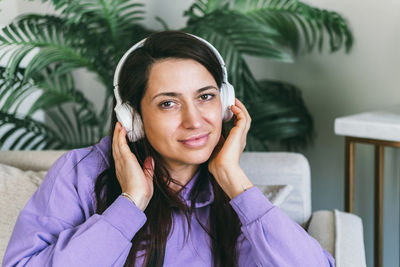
[381, 125]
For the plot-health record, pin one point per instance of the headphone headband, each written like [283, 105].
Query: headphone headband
[123, 59]
[140, 44]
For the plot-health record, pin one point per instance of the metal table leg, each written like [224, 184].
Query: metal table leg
[378, 225]
[349, 176]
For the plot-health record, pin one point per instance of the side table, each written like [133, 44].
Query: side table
[380, 129]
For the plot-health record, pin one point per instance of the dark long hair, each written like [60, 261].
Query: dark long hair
[152, 237]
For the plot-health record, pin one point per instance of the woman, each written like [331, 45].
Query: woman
[185, 199]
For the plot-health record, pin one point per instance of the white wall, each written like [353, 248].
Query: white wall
[11, 8]
[8, 9]
[333, 85]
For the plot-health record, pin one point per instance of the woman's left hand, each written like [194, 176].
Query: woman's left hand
[227, 152]
[224, 161]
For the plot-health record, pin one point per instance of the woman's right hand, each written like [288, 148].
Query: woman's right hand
[134, 180]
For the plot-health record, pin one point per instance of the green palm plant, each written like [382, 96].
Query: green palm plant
[93, 34]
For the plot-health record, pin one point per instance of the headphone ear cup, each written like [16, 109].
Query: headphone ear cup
[227, 94]
[131, 121]
[138, 128]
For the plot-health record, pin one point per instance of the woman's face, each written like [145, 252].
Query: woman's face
[181, 111]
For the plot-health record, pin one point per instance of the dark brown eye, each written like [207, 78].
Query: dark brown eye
[167, 104]
[207, 97]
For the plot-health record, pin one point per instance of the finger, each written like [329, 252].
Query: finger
[122, 144]
[148, 167]
[240, 116]
[242, 107]
[115, 149]
[245, 111]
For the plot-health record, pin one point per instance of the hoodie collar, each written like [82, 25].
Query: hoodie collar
[206, 195]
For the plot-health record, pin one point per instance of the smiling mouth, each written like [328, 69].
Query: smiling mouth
[195, 142]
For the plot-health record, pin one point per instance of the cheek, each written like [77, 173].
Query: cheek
[216, 120]
[214, 115]
[159, 129]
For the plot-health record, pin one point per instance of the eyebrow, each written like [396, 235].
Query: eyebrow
[174, 94]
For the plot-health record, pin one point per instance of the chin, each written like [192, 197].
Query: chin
[196, 157]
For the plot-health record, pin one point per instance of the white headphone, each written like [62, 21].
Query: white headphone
[130, 118]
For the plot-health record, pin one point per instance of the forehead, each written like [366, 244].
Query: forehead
[178, 75]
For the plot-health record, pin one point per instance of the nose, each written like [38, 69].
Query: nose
[191, 117]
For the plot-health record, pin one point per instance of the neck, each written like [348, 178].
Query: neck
[181, 173]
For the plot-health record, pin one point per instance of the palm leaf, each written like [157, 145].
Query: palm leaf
[54, 91]
[57, 42]
[57, 90]
[12, 90]
[62, 131]
[59, 4]
[28, 133]
[75, 125]
[280, 115]
[112, 18]
[241, 37]
[295, 20]
[299, 24]
[58, 97]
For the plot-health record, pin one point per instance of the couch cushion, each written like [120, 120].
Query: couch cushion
[16, 187]
[275, 193]
[269, 168]
[322, 228]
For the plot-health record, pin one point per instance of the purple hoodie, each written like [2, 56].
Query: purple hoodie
[59, 226]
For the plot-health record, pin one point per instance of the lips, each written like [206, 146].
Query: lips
[196, 141]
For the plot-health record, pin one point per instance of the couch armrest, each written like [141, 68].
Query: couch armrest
[341, 234]
[30, 160]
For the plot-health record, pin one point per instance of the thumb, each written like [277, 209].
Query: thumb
[148, 167]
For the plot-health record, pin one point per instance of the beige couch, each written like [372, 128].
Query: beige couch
[339, 233]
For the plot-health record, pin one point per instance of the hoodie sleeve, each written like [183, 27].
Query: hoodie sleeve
[58, 225]
[272, 238]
